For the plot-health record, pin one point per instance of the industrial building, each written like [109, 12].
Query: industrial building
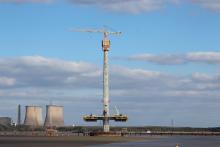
[33, 116]
[54, 116]
[6, 121]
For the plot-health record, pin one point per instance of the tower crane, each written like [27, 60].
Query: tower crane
[105, 117]
[103, 31]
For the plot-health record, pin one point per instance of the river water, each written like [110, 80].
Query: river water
[181, 141]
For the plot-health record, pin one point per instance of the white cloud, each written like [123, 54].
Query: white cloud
[209, 4]
[134, 73]
[5, 81]
[133, 6]
[37, 71]
[206, 57]
[159, 59]
[177, 59]
[78, 86]
[202, 77]
[130, 6]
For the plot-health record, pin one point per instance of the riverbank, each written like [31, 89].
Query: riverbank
[71, 141]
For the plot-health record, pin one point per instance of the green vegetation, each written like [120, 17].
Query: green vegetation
[5, 128]
[19, 128]
[81, 129]
[140, 129]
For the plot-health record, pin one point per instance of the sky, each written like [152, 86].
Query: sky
[165, 66]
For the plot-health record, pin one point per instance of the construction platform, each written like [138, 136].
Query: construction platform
[94, 118]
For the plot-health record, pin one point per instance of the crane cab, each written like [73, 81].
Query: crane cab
[106, 44]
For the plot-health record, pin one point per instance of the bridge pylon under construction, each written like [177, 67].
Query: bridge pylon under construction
[105, 117]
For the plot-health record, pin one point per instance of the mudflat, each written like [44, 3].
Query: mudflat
[70, 141]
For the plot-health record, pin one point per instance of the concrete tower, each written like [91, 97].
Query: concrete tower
[105, 47]
[105, 117]
[33, 116]
[54, 116]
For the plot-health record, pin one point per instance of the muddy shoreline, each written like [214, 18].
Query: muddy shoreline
[71, 141]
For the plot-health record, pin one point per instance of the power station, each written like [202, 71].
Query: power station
[105, 117]
[19, 115]
[54, 116]
[33, 116]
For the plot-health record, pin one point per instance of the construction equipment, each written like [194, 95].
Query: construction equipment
[106, 115]
[117, 111]
[103, 31]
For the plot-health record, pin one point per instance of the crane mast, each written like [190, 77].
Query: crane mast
[105, 117]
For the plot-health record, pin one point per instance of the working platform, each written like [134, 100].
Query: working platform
[94, 118]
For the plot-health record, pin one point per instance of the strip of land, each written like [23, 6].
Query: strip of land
[71, 141]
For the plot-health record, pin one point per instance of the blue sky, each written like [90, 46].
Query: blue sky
[170, 46]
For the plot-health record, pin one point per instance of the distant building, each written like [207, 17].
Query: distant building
[6, 121]
[54, 116]
[33, 116]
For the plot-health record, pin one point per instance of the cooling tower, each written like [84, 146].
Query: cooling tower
[54, 116]
[33, 116]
